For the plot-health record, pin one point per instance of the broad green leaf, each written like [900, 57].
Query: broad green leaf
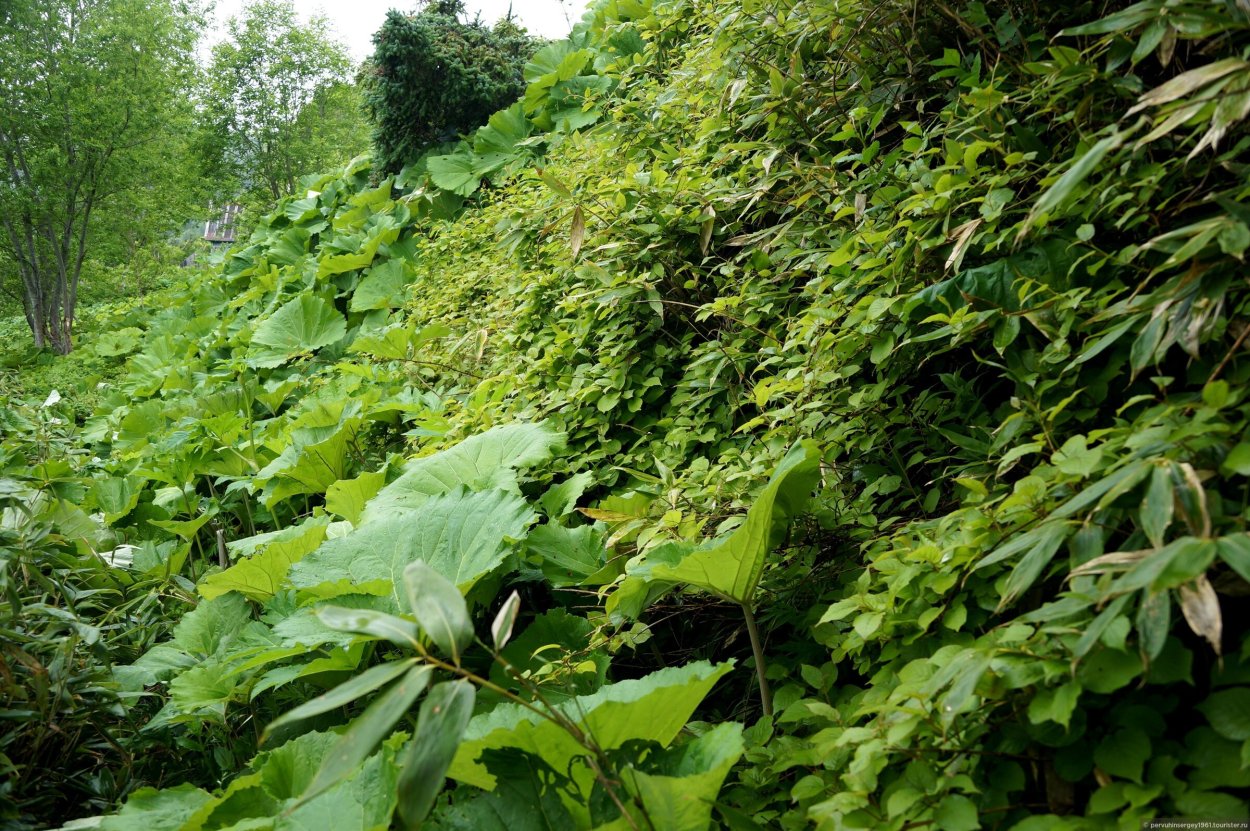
[571, 556]
[115, 497]
[118, 342]
[731, 567]
[289, 247]
[316, 456]
[345, 693]
[391, 343]
[956, 813]
[653, 708]
[383, 287]
[186, 529]
[678, 786]
[300, 327]
[1055, 704]
[1238, 460]
[444, 715]
[462, 535]
[347, 497]
[1211, 805]
[439, 608]
[503, 131]
[301, 210]
[329, 266]
[345, 659]
[269, 798]
[1075, 459]
[1124, 753]
[205, 690]
[1109, 670]
[487, 460]
[455, 172]
[560, 60]
[525, 798]
[560, 500]
[364, 734]
[213, 625]
[148, 809]
[1235, 551]
[261, 575]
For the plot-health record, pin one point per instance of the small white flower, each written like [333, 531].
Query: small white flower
[52, 398]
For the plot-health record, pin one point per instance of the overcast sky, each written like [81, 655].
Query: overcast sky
[355, 21]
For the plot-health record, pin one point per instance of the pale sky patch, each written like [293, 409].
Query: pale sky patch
[355, 21]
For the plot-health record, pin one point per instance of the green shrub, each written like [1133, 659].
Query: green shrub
[432, 77]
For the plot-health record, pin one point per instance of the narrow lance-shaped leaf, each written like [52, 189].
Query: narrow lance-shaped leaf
[354, 746]
[439, 609]
[397, 630]
[577, 232]
[345, 693]
[1058, 193]
[1154, 616]
[445, 714]
[1157, 506]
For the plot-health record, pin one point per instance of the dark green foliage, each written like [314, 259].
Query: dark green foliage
[433, 77]
[986, 263]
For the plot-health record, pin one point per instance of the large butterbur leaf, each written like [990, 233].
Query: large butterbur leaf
[299, 327]
[653, 708]
[731, 567]
[455, 172]
[487, 460]
[260, 576]
[526, 798]
[383, 287]
[677, 786]
[462, 535]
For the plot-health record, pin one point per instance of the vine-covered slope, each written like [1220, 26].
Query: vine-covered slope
[864, 382]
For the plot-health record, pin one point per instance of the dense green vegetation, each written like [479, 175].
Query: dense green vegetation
[785, 415]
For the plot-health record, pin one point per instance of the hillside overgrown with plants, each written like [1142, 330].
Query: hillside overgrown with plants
[787, 415]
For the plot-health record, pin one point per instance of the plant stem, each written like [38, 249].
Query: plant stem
[766, 694]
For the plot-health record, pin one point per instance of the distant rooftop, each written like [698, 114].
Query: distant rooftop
[221, 230]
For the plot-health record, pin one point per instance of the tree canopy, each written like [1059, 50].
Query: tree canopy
[94, 119]
[278, 101]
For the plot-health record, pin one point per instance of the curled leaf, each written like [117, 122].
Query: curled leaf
[1201, 608]
[501, 628]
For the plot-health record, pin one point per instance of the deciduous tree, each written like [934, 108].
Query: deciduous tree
[278, 102]
[94, 112]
